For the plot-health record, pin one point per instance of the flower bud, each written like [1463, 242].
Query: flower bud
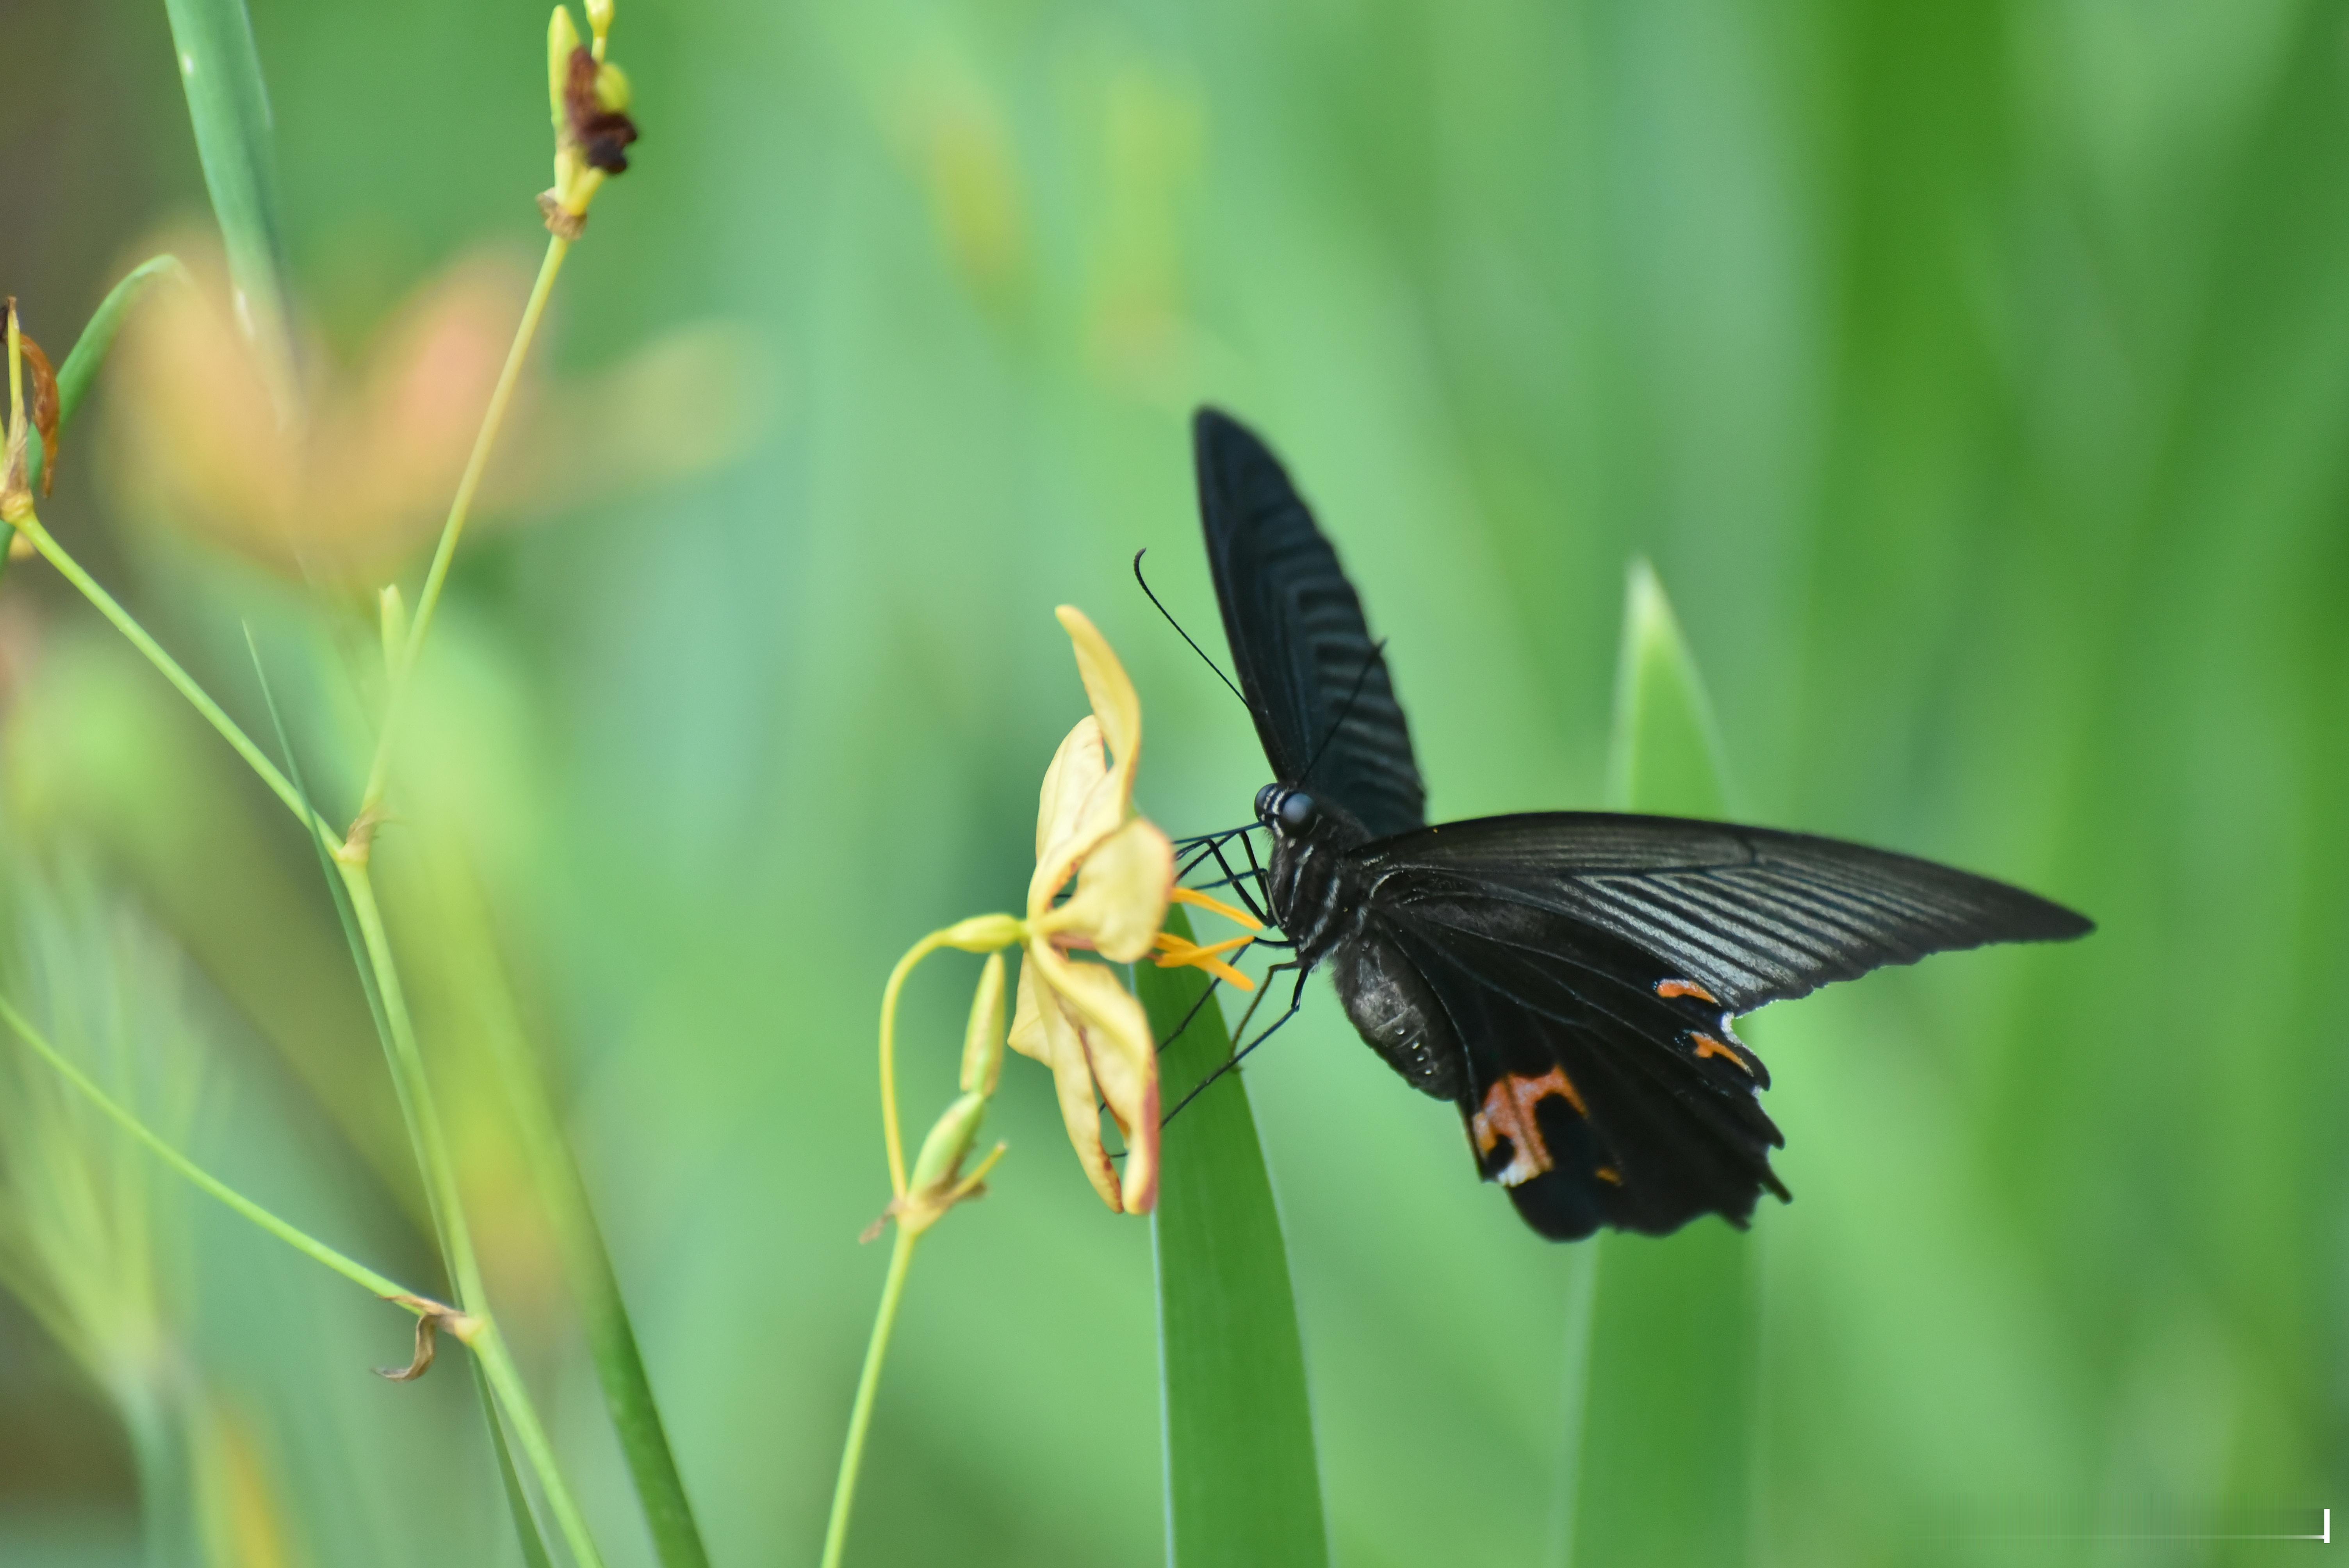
[983, 933]
[611, 89]
[982, 1045]
[392, 611]
[949, 1140]
[599, 22]
[561, 39]
[16, 482]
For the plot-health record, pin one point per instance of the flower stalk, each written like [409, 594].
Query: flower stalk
[592, 127]
[1117, 870]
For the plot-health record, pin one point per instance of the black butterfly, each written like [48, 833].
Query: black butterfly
[1565, 978]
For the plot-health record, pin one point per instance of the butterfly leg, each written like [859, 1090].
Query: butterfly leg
[1237, 882]
[1177, 1032]
[1295, 1001]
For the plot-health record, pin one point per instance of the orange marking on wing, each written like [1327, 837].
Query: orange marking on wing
[1670, 988]
[1609, 1174]
[1706, 1046]
[1508, 1113]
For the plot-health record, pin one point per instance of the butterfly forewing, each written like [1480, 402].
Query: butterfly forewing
[1323, 699]
[1751, 914]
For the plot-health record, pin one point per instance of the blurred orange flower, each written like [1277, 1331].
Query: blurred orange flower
[364, 475]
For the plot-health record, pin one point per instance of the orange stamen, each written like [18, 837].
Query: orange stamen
[1175, 953]
[1193, 897]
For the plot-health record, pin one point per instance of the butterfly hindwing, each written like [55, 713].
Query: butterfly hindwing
[1323, 702]
[1597, 1092]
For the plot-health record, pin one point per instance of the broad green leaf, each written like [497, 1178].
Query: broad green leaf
[1666, 754]
[1665, 1425]
[228, 105]
[1242, 1487]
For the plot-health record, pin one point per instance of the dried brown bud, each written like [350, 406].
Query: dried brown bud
[594, 98]
[44, 408]
[431, 1317]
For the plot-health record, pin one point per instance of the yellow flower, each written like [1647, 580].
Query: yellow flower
[1077, 1019]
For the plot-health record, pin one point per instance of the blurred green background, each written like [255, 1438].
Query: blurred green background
[1976, 376]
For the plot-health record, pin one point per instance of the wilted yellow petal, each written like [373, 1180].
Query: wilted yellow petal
[1028, 1037]
[1121, 897]
[1045, 1030]
[1116, 702]
[1077, 769]
[1115, 1036]
[1082, 803]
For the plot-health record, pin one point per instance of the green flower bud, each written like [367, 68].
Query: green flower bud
[982, 1045]
[561, 39]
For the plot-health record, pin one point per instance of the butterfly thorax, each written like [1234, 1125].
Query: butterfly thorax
[1311, 880]
[1316, 885]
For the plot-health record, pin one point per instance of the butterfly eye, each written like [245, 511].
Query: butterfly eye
[1264, 800]
[1296, 810]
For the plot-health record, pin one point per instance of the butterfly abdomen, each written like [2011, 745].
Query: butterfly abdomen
[1398, 1017]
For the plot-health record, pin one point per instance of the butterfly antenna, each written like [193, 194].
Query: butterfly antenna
[1378, 656]
[1184, 634]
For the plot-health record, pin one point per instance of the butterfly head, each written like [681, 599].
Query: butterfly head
[1286, 810]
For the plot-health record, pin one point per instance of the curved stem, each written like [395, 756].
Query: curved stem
[71, 570]
[461, 510]
[358, 1272]
[860, 1418]
[889, 1129]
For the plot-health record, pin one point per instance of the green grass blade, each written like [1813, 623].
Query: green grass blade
[587, 1265]
[89, 350]
[1242, 1483]
[80, 368]
[533, 1542]
[525, 1520]
[1666, 1420]
[220, 69]
[628, 1396]
[1666, 755]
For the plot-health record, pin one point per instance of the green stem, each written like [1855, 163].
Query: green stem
[440, 1188]
[860, 1418]
[358, 1272]
[892, 1139]
[125, 622]
[415, 1092]
[489, 1346]
[587, 1263]
[460, 510]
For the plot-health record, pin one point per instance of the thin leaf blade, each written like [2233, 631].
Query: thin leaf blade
[1243, 1484]
[228, 106]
